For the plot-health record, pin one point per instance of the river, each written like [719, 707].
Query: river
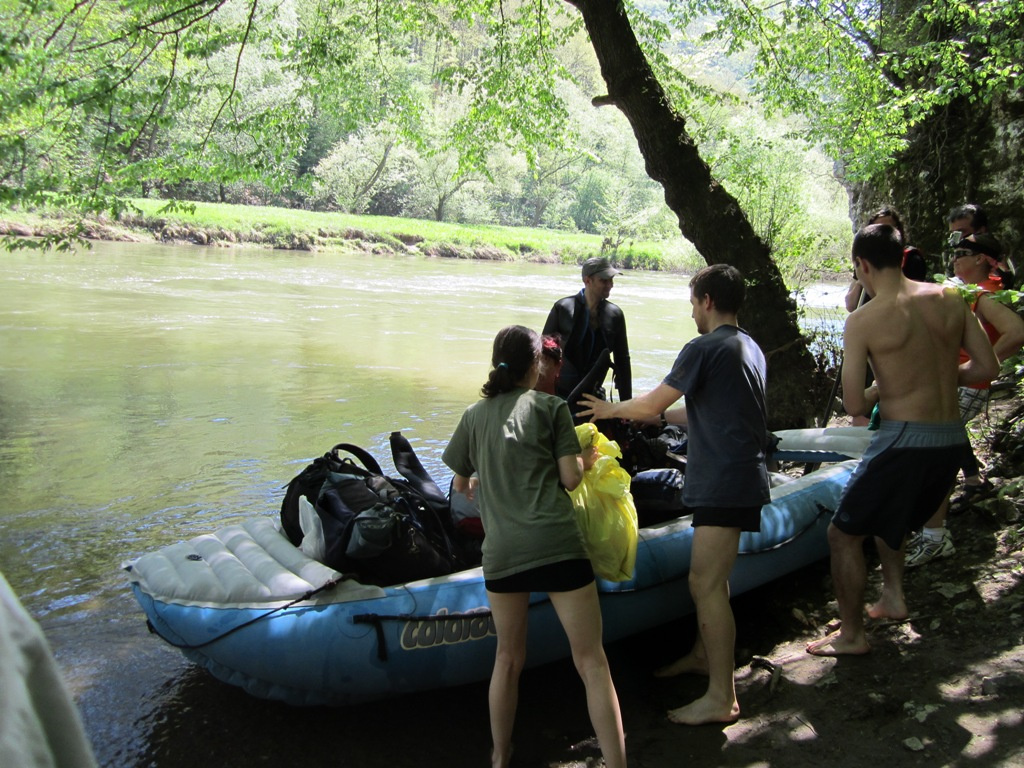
[149, 393]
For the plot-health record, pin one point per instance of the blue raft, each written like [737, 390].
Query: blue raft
[256, 612]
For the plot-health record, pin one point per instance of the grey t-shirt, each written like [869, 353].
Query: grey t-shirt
[513, 442]
[722, 375]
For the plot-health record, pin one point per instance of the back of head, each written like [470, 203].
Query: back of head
[891, 215]
[723, 283]
[880, 245]
[972, 211]
[515, 349]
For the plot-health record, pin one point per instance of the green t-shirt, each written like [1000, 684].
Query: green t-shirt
[513, 442]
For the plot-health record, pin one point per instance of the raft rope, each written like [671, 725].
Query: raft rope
[329, 584]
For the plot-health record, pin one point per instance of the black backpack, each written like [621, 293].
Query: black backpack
[384, 530]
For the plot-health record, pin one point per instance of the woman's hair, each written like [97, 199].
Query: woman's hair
[888, 213]
[551, 346]
[515, 349]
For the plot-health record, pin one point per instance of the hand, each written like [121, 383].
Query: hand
[590, 457]
[474, 483]
[594, 407]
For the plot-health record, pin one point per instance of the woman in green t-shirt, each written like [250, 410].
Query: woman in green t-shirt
[522, 446]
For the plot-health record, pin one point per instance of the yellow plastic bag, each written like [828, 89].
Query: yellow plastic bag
[605, 512]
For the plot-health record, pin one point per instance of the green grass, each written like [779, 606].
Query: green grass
[332, 228]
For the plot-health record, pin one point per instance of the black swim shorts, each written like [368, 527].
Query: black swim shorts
[563, 576]
[744, 518]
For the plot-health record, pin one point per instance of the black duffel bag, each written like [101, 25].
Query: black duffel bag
[380, 529]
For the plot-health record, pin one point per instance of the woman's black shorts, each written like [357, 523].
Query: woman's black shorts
[563, 576]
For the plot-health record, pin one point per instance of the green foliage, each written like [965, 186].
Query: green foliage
[864, 74]
[472, 110]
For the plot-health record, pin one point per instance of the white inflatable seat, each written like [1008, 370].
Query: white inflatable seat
[251, 564]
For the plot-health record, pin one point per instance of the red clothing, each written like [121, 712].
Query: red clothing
[990, 285]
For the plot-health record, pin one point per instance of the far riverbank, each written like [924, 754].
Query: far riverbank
[224, 225]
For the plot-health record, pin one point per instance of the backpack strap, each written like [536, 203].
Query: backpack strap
[365, 458]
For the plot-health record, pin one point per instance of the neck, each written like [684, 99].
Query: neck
[717, 319]
[885, 281]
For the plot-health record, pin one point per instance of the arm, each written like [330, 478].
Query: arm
[623, 368]
[570, 471]
[983, 366]
[465, 485]
[854, 295]
[551, 325]
[643, 408]
[1006, 321]
[856, 400]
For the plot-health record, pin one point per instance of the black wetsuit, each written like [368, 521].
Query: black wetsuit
[582, 344]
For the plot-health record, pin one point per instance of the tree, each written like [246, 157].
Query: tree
[129, 69]
[709, 216]
[918, 101]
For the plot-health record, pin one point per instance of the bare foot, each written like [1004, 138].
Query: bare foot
[888, 608]
[836, 645]
[703, 711]
[688, 664]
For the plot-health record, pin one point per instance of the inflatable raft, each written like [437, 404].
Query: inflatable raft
[247, 605]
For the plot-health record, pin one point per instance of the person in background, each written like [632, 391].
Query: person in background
[975, 261]
[522, 445]
[914, 265]
[587, 323]
[722, 375]
[550, 365]
[971, 219]
[912, 333]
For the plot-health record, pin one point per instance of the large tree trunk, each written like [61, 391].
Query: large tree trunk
[709, 217]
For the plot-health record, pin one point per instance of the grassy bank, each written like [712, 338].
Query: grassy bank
[216, 224]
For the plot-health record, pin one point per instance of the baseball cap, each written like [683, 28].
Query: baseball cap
[599, 266]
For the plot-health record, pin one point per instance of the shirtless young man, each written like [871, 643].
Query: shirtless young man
[912, 334]
[721, 373]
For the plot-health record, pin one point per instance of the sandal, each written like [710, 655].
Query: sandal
[970, 494]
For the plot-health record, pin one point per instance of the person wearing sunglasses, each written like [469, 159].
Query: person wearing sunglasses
[971, 219]
[975, 261]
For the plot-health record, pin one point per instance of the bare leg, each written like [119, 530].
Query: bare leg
[849, 575]
[938, 520]
[695, 662]
[509, 613]
[580, 614]
[891, 604]
[714, 552]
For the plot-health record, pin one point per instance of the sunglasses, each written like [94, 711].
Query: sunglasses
[955, 237]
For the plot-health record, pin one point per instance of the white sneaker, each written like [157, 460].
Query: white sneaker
[922, 549]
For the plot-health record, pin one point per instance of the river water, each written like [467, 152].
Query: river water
[150, 393]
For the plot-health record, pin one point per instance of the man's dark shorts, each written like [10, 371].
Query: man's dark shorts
[905, 474]
[744, 518]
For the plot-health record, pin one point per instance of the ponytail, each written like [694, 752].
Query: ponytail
[515, 350]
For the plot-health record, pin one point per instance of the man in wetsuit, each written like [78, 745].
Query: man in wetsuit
[912, 334]
[588, 324]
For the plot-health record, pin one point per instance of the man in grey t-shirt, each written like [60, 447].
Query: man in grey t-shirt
[722, 376]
